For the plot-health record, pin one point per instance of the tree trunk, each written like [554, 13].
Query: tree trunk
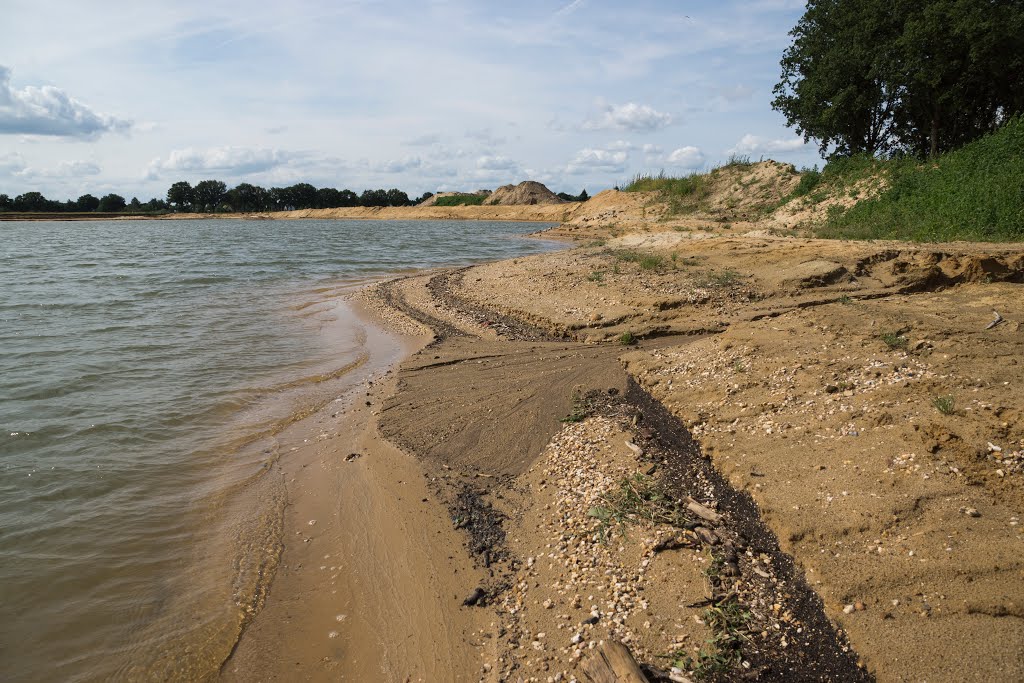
[934, 137]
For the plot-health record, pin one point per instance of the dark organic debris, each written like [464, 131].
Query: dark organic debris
[475, 598]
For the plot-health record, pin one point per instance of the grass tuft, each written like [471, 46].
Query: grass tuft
[810, 178]
[645, 261]
[580, 409]
[722, 278]
[894, 340]
[638, 498]
[945, 404]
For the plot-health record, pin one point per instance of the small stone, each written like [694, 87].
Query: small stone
[859, 606]
[848, 609]
[972, 512]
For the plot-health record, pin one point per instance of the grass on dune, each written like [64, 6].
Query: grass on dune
[975, 193]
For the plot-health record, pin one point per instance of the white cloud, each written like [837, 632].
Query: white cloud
[570, 8]
[753, 144]
[629, 116]
[11, 163]
[621, 145]
[231, 160]
[66, 169]
[735, 93]
[423, 141]
[486, 136]
[605, 160]
[686, 157]
[50, 111]
[399, 165]
[496, 163]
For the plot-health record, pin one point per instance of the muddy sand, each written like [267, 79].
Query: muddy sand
[745, 457]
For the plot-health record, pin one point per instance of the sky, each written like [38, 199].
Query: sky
[432, 95]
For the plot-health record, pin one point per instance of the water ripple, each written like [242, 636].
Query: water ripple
[138, 361]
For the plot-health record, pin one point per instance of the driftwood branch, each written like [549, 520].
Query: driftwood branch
[612, 663]
[702, 511]
[995, 321]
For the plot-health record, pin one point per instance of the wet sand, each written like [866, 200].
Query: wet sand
[372, 573]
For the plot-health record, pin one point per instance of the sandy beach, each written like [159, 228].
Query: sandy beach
[741, 455]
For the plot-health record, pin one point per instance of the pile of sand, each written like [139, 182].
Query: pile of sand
[432, 200]
[526, 192]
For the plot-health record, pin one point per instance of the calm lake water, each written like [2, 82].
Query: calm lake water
[145, 369]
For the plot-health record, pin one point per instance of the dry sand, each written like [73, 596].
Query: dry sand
[845, 417]
[905, 519]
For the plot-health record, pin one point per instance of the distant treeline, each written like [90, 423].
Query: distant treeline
[213, 196]
[35, 202]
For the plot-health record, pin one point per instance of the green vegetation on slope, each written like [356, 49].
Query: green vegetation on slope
[685, 194]
[973, 193]
[461, 200]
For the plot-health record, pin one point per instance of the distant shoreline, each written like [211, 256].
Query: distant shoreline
[527, 213]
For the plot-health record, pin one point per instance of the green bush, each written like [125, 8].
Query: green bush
[973, 193]
[810, 178]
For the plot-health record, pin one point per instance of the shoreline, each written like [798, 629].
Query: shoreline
[352, 596]
[468, 413]
[536, 213]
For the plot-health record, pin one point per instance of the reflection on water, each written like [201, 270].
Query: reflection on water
[146, 372]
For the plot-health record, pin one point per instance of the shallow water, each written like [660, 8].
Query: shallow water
[145, 369]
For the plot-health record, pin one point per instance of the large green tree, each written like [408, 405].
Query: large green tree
[916, 76]
[248, 197]
[209, 194]
[31, 201]
[303, 195]
[181, 196]
[87, 202]
[112, 202]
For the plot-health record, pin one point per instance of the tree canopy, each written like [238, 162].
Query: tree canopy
[916, 76]
[112, 202]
